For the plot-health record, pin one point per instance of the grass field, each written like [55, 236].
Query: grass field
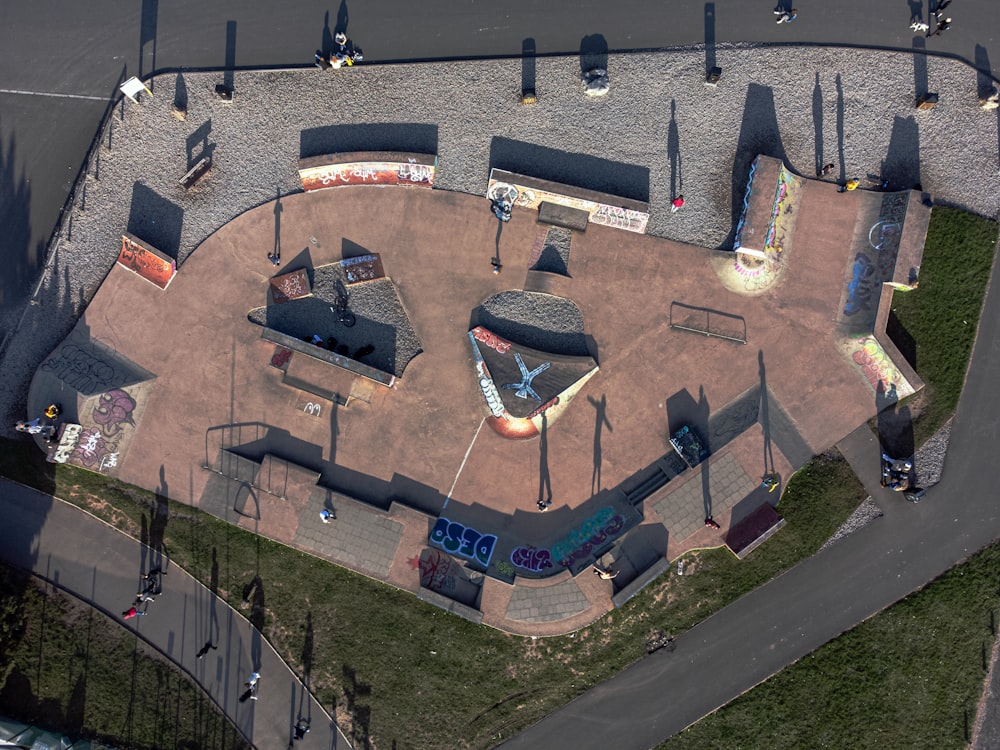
[935, 325]
[907, 678]
[68, 668]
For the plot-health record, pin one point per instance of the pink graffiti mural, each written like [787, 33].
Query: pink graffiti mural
[531, 558]
[491, 339]
[435, 571]
[113, 410]
[91, 448]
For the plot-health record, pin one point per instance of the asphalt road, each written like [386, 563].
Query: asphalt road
[815, 601]
[61, 62]
[43, 535]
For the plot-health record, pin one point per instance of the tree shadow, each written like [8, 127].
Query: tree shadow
[528, 64]
[159, 515]
[230, 66]
[593, 53]
[919, 67]
[307, 650]
[147, 34]
[276, 253]
[709, 39]
[357, 695]
[180, 94]
[984, 73]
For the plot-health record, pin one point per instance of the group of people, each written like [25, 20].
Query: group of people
[942, 23]
[152, 587]
[345, 54]
[45, 425]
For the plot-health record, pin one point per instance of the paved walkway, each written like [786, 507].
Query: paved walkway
[103, 568]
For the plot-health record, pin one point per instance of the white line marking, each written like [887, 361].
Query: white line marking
[464, 459]
[57, 96]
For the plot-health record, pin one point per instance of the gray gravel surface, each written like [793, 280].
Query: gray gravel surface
[928, 464]
[536, 320]
[658, 132]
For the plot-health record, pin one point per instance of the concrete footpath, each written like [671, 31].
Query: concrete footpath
[101, 566]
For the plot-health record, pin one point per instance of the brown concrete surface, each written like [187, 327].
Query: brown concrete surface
[413, 443]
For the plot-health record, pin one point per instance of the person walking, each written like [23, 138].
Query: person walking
[676, 204]
[942, 26]
[788, 16]
[131, 612]
[711, 523]
[325, 515]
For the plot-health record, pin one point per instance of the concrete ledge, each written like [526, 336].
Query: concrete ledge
[367, 168]
[345, 363]
[887, 344]
[563, 216]
[600, 208]
[640, 582]
[450, 605]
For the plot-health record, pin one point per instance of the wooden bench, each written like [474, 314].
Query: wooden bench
[199, 170]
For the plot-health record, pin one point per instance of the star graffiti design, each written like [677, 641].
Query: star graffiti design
[523, 389]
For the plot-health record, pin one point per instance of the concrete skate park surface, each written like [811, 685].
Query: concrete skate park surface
[221, 430]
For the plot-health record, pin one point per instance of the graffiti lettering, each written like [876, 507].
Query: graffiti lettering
[490, 392]
[434, 568]
[491, 340]
[876, 365]
[863, 285]
[280, 357]
[91, 448]
[67, 443]
[467, 542]
[620, 218]
[504, 568]
[543, 407]
[415, 172]
[531, 558]
[108, 461]
[591, 534]
[80, 369]
[312, 409]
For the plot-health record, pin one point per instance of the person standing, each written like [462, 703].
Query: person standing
[788, 16]
[676, 203]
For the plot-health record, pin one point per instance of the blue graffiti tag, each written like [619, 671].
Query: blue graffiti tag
[464, 541]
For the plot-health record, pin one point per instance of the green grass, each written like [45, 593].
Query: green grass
[399, 670]
[942, 314]
[908, 678]
[70, 669]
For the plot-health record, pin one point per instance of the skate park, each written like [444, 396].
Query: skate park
[642, 335]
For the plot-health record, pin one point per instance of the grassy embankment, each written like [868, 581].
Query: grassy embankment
[68, 668]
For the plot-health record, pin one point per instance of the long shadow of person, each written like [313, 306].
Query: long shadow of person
[601, 408]
[701, 423]
[544, 480]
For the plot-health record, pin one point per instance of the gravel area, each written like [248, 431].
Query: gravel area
[381, 337]
[659, 131]
[538, 321]
[928, 464]
[554, 257]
